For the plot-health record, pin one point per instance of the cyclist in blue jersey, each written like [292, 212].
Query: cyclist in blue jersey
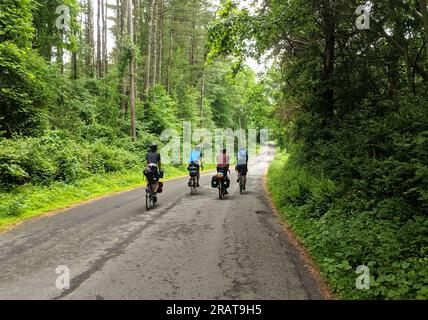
[242, 166]
[195, 160]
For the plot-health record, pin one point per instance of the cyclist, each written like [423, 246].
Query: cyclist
[195, 160]
[242, 166]
[223, 163]
[153, 160]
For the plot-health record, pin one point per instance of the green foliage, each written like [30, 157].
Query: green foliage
[51, 158]
[189, 104]
[15, 22]
[23, 94]
[355, 191]
[342, 233]
[162, 111]
[48, 36]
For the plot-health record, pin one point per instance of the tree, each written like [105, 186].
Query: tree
[132, 70]
[89, 39]
[23, 94]
[99, 41]
[149, 48]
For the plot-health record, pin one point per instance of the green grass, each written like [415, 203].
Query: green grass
[30, 200]
[340, 232]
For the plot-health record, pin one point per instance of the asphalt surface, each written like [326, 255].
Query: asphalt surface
[188, 247]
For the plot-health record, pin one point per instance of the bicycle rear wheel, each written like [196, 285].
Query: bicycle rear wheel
[221, 190]
[149, 198]
[147, 202]
[192, 186]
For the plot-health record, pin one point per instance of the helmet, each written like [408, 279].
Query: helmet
[153, 146]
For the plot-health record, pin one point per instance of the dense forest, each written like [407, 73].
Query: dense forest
[85, 94]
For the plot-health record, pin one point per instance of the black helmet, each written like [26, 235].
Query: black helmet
[153, 146]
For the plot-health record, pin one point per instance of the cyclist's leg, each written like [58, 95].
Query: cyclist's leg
[244, 180]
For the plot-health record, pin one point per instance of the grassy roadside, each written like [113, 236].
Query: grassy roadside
[340, 240]
[30, 200]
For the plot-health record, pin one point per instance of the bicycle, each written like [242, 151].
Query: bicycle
[242, 186]
[221, 176]
[193, 185]
[153, 176]
[150, 196]
[241, 173]
[221, 190]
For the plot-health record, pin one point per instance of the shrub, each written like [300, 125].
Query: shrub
[344, 231]
[53, 158]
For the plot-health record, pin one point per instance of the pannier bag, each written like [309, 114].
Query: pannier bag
[151, 174]
[214, 182]
[160, 189]
[227, 182]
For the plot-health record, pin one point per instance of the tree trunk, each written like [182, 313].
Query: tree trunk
[160, 54]
[124, 14]
[192, 46]
[89, 37]
[327, 99]
[424, 12]
[60, 54]
[118, 18]
[155, 42]
[105, 49]
[74, 63]
[171, 35]
[132, 72]
[102, 37]
[136, 22]
[202, 98]
[149, 50]
[99, 40]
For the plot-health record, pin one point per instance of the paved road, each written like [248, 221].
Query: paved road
[189, 247]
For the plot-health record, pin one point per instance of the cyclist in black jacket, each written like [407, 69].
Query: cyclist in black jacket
[153, 159]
